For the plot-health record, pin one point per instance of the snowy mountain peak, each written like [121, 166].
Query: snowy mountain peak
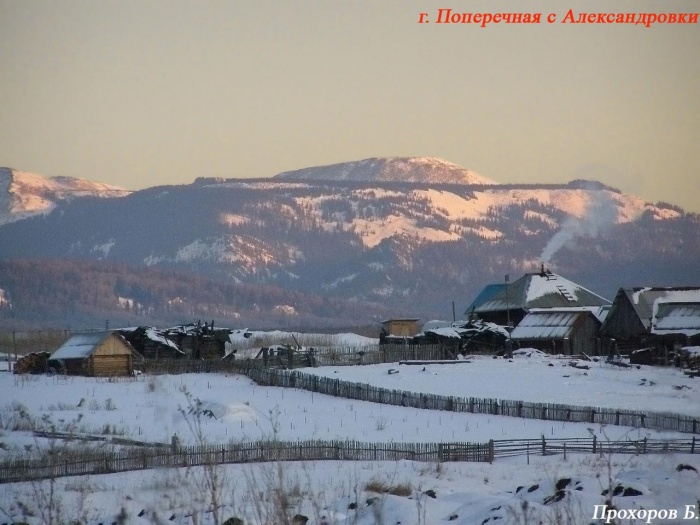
[23, 194]
[393, 169]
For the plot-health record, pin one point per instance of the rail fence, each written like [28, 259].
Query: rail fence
[62, 463]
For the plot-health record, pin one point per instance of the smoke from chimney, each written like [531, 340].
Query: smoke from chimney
[600, 216]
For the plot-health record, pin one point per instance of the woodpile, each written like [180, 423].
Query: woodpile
[34, 363]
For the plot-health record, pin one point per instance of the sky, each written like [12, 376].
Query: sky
[139, 93]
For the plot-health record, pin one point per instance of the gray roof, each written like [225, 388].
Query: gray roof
[547, 324]
[535, 290]
[677, 318]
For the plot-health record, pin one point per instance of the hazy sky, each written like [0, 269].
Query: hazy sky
[146, 92]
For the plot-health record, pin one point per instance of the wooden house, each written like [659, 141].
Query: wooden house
[500, 303]
[559, 331]
[653, 317]
[95, 354]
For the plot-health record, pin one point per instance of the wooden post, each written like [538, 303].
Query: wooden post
[528, 452]
[692, 446]
[491, 451]
[594, 443]
[544, 446]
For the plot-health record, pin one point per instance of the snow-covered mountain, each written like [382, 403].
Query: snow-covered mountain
[25, 194]
[428, 170]
[404, 244]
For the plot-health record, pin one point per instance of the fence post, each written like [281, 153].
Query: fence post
[544, 446]
[692, 446]
[595, 439]
[644, 447]
[593, 416]
[491, 451]
[520, 409]
[617, 417]
[695, 424]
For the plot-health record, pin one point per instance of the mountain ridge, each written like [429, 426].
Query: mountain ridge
[384, 169]
[23, 194]
[413, 246]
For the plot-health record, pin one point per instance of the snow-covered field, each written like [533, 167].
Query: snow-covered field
[154, 408]
[529, 377]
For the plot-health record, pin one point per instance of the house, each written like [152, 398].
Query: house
[95, 354]
[504, 302]
[398, 330]
[653, 317]
[567, 331]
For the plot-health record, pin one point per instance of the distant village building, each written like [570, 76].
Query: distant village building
[559, 331]
[498, 302]
[398, 330]
[200, 341]
[546, 311]
[100, 354]
[151, 344]
[662, 318]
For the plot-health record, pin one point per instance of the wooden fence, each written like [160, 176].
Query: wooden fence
[61, 463]
[75, 463]
[496, 407]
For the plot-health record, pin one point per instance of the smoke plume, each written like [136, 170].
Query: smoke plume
[600, 216]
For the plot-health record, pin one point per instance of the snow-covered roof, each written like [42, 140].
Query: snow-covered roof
[676, 318]
[80, 346]
[648, 304]
[547, 324]
[535, 290]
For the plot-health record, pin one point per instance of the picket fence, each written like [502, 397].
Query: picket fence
[499, 407]
[496, 407]
[78, 463]
[70, 462]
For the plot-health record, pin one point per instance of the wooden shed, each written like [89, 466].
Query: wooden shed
[559, 331]
[400, 327]
[95, 354]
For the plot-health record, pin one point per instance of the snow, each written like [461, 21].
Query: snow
[602, 385]
[233, 219]
[554, 284]
[33, 194]
[154, 408]
[4, 299]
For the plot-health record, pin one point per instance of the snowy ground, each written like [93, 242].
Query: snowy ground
[153, 408]
[533, 379]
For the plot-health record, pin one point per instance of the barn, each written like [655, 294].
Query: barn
[100, 354]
